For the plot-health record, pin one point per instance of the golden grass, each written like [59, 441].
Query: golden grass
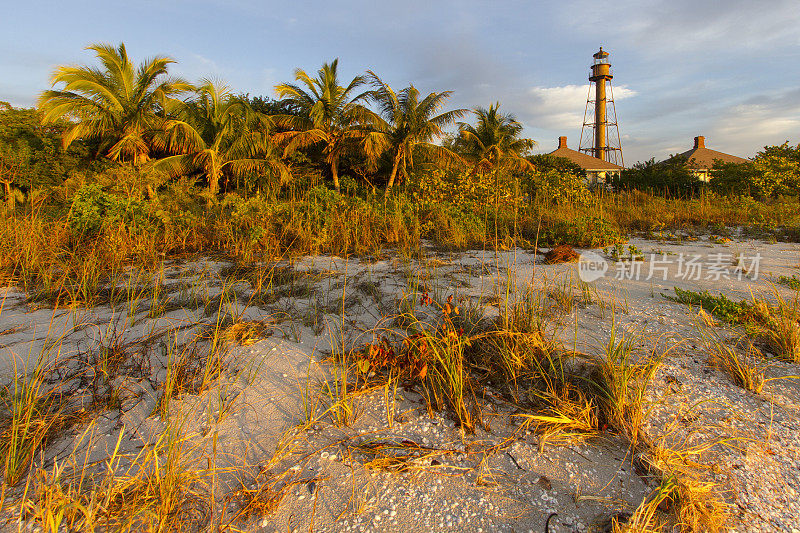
[263, 497]
[565, 416]
[781, 333]
[402, 455]
[246, 332]
[31, 411]
[621, 378]
[161, 489]
[744, 369]
[447, 381]
[684, 495]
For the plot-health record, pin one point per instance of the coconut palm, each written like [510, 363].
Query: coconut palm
[217, 133]
[327, 113]
[493, 143]
[120, 105]
[407, 126]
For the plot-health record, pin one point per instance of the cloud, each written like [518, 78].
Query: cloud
[751, 26]
[562, 107]
[460, 65]
[759, 120]
[734, 26]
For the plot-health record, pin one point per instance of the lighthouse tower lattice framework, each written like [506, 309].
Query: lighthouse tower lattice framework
[600, 131]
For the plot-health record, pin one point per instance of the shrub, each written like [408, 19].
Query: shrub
[671, 176]
[774, 171]
[720, 306]
[793, 282]
[92, 208]
[446, 223]
[584, 231]
[558, 187]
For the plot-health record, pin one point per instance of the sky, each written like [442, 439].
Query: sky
[727, 70]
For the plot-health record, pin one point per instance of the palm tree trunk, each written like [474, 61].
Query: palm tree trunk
[335, 173]
[9, 196]
[213, 185]
[393, 175]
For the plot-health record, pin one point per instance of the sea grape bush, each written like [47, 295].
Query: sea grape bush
[92, 208]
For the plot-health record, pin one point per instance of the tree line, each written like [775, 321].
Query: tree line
[140, 115]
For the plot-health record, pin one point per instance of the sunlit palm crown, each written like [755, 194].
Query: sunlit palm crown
[493, 142]
[120, 105]
[216, 133]
[406, 127]
[327, 113]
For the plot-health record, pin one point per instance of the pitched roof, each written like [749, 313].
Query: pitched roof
[701, 157]
[586, 162]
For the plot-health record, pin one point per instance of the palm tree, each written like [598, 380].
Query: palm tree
[406, 126]
[493, 144]
[328, 114]
[120, 105]
[217, 133]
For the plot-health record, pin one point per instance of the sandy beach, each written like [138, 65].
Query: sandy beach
[265, 430]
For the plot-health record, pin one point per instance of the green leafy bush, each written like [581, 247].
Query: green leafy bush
[93, 208]
[720, 306]
[774, 171]
[583, 231]
[793, 282]
[558, 187]
[671, 176]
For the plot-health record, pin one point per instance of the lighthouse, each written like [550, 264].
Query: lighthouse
[600, 132]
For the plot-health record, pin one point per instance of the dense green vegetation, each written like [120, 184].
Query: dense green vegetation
[773, 172]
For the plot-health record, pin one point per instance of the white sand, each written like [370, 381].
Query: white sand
[497, 480]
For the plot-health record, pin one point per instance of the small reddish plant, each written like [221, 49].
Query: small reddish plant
[382, 356]
[412, 356]
[433, 355]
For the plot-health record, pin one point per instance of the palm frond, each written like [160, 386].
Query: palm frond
[176, 165]
[117, 103]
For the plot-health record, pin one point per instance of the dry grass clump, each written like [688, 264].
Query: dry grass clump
[160, 489]
[620, 379]
[401, 455]
[563, 253]
[246, 332]
[743, 369]
[531, 368]
[263, 497]
[518, 345]
[448, 383]
[566, 415]
[432, 355]
[30, 418]
[32, 411]
[342, 391]
[684, 497]
[195, 366]
[514, 360]
[780, 329]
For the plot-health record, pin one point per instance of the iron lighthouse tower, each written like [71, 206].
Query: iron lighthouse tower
[600, 131]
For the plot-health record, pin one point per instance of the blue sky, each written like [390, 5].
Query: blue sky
[727, 70]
